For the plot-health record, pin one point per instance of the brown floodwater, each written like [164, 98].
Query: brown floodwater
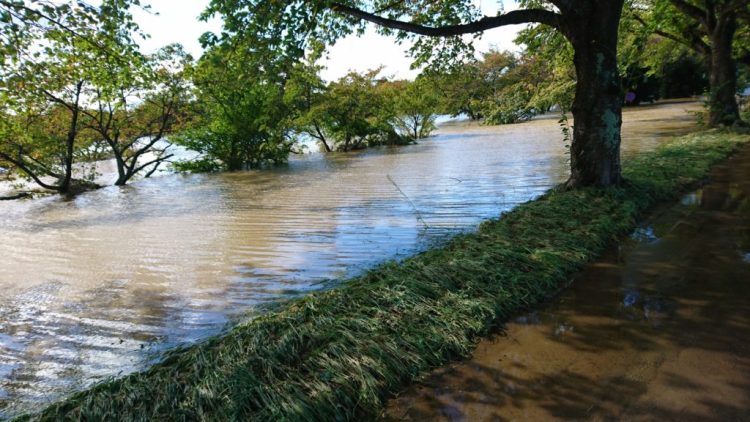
[657, 330]
[99, 285]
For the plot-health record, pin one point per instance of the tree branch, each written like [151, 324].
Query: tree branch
[511, 18]
[28, 171]
[563, 5]
[156, 160]
[690, 10]
[12, 7]
[693, 41]
[156, 167]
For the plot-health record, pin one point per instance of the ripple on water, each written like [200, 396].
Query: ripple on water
[99, 285]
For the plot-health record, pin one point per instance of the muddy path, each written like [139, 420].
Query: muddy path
[658, 329]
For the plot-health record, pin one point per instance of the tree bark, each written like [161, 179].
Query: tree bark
[723, 109]
[591, 26]
[64, 185]
[718, 21]
[121, 167]
[597, 107]
[321, 137]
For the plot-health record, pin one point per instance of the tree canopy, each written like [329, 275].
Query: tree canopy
[716, 31]
[73, 80]
[287, 29]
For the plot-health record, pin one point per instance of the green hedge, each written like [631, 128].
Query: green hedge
[336, 355]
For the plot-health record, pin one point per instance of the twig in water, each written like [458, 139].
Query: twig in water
[416, 211]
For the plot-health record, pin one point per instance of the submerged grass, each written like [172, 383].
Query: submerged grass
[336, 355]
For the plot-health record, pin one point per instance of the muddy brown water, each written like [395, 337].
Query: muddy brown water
[99, 285]
[658, 330]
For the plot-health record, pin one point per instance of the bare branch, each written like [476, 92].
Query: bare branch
[156, 160]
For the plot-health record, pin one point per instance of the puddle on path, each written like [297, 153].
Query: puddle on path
[659, 329]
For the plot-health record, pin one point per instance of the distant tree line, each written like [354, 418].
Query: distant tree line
[250, 117]
[74, 87]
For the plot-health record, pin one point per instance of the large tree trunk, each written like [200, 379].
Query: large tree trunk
[591, 26]
[597, 108]
[122, 179]
[723, 109]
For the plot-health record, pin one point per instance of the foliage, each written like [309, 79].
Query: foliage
[353, 110]
[505, 88]
[135, 107]
[243, 120]
[306, 92]
[337, 354]
[513, 88]
[716, 32]
[59, 58]
[550, 58]
[35, 145]
[287, 29]
[360, 109]
[415, 105]
[462, 90]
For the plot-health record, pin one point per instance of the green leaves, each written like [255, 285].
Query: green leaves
[61, 62]
[361, 109]
[243, 114]
[415, 105]
[289, 28]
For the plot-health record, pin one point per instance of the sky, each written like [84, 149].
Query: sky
[175, 21]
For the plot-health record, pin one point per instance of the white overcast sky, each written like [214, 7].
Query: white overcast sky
[175, 21]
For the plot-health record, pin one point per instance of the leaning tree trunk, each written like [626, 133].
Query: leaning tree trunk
[723, 109]
[122, 170]
[64, 184]
[597, 108]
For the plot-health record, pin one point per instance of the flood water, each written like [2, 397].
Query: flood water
[657, 330]
[98, 285]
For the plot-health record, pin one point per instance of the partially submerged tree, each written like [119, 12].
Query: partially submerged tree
[52, 52]
[591, 26]
[306, 93]
[357, 110]
[134, 108]
[243, 120]
[414, 106]
[462, 89]
[351, 111]
[39, 139]
[512, 85]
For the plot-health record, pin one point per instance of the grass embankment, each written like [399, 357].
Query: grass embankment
[336, 355]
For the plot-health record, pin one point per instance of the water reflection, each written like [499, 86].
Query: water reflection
[655, 330]
[97, 286]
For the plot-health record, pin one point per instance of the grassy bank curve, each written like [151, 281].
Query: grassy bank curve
[336, 355]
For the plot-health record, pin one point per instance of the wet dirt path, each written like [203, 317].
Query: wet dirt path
[657, 330]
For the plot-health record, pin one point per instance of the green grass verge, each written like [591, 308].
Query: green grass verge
[336, 355]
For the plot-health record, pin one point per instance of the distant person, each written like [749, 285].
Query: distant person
[630, 98]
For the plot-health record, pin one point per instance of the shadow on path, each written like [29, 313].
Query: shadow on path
[658, 329]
